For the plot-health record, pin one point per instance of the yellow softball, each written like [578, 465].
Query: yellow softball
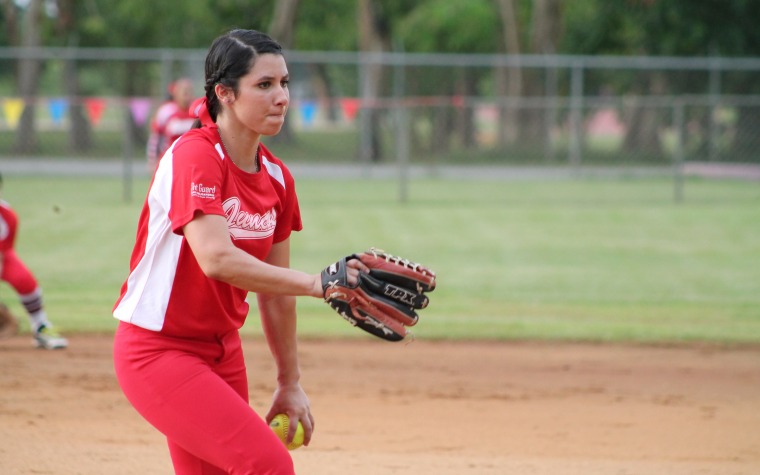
[280, 425]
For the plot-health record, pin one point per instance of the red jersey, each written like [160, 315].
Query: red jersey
[169, 123]
[8, 224]
[166, 290]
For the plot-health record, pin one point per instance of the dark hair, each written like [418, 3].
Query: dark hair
[231, 57]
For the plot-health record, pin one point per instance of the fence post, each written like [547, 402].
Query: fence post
[166, 71]
[550, 111]
[365, 113]
[678, 157]
[402, 131]
[714, 95]
[576, 115]
[127, 152]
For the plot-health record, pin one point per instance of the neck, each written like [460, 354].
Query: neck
[242, 150]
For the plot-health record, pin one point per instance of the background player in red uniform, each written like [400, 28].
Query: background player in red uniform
[215, 225]
[171, 120]
[17, 275]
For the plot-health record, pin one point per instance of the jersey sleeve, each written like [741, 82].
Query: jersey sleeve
[197, 179]
[289, 212]
[8, 223]
[290, 217]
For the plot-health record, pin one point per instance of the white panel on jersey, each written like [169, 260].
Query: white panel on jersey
[150, 283]
[218, 149]
[274, 170]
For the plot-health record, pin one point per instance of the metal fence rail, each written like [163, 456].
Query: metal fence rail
[422, 109]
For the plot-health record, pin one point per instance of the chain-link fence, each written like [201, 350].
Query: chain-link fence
[425, 110]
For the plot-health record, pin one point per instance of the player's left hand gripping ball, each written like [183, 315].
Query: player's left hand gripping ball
[385, 301]
[280, 425]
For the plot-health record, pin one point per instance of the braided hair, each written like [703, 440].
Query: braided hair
[231, 57]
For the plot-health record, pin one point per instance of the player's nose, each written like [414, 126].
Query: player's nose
[282, 98]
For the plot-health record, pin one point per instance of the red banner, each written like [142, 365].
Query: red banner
[350, 107]
[94, 107]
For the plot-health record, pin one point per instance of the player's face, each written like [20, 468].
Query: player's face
[183, 93]
[263, 95]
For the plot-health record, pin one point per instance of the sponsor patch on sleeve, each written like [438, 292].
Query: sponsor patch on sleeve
[199, 190]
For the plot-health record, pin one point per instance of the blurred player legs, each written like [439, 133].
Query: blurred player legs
[14, 271]
[30, 294]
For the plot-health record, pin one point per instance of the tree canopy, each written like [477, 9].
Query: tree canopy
[632, 27]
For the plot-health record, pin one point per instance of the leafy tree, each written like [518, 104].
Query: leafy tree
[441, 25]
[444, 26]
[25, 25]
[667, 28]
[588, 27]
[326, 25]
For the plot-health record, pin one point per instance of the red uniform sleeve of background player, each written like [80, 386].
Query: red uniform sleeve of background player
[8, 222]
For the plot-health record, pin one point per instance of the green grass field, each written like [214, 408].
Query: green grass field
[558, 260]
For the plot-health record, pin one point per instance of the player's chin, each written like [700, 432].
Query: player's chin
[273, 125]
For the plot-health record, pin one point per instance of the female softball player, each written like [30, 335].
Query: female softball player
[172, 119]
[17, 274]
[215, 225]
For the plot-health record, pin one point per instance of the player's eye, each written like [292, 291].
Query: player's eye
[265, 85]
[285, 82]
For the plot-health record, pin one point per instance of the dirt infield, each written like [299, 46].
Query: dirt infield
[424, 408]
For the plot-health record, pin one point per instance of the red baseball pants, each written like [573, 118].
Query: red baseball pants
[17, 274]
[196, 393]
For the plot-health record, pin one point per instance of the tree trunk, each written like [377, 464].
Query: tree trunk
[547, 23]
[320, 82]
[440, 137]
[527, 125]
[11, 22]
[545, 35]
[80, 131]
[509, 79]
[465, 123]
[28, 80]
[281, 29]
[80, 136]
[283, 22]
[642, 137]
[746, 143]
[372, 39]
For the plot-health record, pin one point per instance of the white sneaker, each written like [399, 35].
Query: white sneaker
[49, 339]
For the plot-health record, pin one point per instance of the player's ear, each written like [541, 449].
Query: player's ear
[224, 93]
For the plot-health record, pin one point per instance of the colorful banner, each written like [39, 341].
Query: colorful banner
[13, 108]
[94, 107]
[350, 107]
[57, 109]
[308, 111]
[140, 108]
